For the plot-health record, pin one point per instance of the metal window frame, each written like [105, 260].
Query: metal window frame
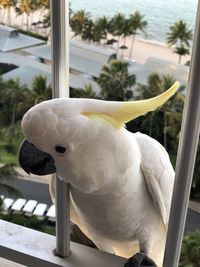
[186, 156]
[21, 244]
[60, 86]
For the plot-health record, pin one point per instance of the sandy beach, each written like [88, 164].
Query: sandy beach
[142, 50]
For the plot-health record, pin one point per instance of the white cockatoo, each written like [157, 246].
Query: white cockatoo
[121, 182]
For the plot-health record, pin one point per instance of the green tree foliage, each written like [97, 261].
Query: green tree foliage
[14, 95]
[15, 100]
[11, 97]
[40, 89]
[115, 81]
[8, 173]
[31, 222]
[26, 7]
[190, 253]
[116, 24]
[79, 22]
[100, 29]
[96, 30]
[136, 24]
[89, 30]
[181, 51]
[86, 92]
[180, 37]
[195, 190]
[179, 33]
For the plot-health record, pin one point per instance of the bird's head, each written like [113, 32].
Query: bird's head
[63, 135]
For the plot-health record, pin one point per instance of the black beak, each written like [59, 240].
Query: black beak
[34, 161]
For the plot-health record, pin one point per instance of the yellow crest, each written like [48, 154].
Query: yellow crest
[122, 112]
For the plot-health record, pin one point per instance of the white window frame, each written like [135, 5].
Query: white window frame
[186, 156]
[32, 248]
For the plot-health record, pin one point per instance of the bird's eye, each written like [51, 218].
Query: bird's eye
[60, 149]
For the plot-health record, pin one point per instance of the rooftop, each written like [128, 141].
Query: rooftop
[27, 73]
[83, 58]
[152, 65]
[12, 39]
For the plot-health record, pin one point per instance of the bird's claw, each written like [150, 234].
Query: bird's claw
[140, 260]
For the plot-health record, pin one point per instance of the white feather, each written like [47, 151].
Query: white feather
[158, 173]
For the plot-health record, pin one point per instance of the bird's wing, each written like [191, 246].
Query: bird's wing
[158, 173]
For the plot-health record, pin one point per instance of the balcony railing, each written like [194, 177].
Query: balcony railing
[33, 248]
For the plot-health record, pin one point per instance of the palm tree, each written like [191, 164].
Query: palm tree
[126, 32]
[15, 99]
[116, 26]
[180, 36]
[78, 21]
[86, 92]
[44, 17]
[137, 23]
[14, 96]
[88, 31]
[39, 91]
[181, 51]
[6, 6]
[45, 4]
[100, 29]
[173, 118]
[46, 23]
[26, 7]
[115, 81]
[10, 113]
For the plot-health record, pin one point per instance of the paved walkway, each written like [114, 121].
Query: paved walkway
[45, 180]
[193, 205]
[33, 178]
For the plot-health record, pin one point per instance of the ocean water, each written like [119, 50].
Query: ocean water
[160, 14]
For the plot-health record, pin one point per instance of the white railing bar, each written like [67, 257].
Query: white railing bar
[62, 218]
[60, 84]
[186, 156]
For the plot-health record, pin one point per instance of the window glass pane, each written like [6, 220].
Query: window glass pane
[132, 50]
[154, 52]
[25, 81]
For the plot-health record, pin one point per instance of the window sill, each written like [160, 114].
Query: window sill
[33, 248]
